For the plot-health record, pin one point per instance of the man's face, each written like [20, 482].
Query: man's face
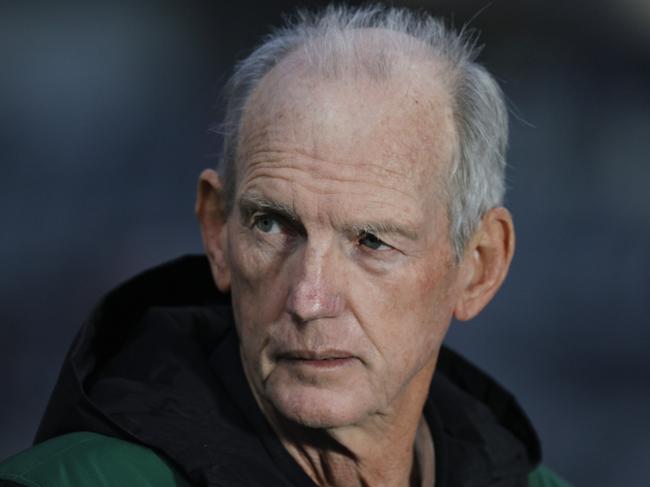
[342, 275]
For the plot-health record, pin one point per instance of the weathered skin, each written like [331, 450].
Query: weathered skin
[323, 163]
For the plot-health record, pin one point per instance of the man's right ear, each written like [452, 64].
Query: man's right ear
[210, 211]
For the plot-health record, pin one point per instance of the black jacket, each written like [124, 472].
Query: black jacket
[157, 363]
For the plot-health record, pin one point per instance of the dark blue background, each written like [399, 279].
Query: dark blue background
[104, 111]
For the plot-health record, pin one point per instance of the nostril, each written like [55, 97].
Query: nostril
[296, 318]
[309, 303]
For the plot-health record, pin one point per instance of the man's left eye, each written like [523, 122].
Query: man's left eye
[267, 224]
[373, 242]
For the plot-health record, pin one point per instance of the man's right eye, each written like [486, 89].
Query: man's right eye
[267, 224]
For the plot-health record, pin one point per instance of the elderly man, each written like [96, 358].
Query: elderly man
[358, 210]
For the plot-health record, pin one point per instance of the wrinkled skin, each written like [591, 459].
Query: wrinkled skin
[338, 258]
[356, 155]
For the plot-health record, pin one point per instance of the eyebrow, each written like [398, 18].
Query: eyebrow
[383, 228]
[252, 202]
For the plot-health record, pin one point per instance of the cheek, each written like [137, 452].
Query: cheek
[407, 317]
[256, 275]
[258, 296]
[247, 262]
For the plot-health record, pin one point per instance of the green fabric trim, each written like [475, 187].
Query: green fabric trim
[89, 459]
[542, 476]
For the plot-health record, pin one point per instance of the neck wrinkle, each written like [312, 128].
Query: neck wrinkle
[380, 455]
[386, 458]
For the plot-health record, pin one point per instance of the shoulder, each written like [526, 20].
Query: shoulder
[83, 458]
[542, 476]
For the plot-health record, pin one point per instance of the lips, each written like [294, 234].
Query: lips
[324, 358]
[315, 355]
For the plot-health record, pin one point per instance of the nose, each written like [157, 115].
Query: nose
[314, 293]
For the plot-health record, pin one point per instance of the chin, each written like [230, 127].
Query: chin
[317, 407]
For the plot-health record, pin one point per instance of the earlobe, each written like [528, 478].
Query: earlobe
[210, 211]
[486, 263]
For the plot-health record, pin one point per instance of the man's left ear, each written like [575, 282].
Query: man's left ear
[485, 263]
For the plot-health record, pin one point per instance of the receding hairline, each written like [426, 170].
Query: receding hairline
[477, 181]
[412, 60]
[373, 54]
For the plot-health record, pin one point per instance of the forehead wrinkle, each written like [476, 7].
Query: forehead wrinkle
[278, 150]
[280, 154]
[277, 158]
[263, 173]
[262, 153]
[268, 170]
[412, 130]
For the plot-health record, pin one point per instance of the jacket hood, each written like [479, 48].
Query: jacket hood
[157, 363]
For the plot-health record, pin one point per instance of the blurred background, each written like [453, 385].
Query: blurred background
[104, 116]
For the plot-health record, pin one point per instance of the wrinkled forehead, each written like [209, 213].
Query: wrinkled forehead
[402, 122]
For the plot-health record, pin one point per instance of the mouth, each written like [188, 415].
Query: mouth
[326, 359]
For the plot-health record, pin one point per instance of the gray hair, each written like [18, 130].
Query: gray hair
[477, 174]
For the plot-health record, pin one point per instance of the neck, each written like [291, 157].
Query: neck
[393, 448]
[353, 458]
